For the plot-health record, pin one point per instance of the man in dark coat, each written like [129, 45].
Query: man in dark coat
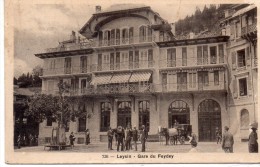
[135, 137]
[252, 142]
[110, 135]
[143, 137]
[128, 138]
[227, 141]
[120, 138]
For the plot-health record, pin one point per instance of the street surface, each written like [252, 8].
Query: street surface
[203, 147]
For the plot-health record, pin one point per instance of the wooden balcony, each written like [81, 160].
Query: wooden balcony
[123, 66]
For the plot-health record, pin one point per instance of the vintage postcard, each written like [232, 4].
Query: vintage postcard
[131, 81]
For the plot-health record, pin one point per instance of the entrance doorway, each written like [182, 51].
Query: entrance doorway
[124, 114]
[209, 113]
[179, 111]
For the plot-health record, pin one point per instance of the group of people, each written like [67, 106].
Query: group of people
[124, 137]
[30, 140]
[228, 141]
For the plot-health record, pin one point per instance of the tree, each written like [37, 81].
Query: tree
[36, 80]
[59, 109]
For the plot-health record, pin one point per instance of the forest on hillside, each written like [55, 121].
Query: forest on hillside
[201, 20]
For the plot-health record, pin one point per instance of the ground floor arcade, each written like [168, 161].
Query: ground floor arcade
[204, 111]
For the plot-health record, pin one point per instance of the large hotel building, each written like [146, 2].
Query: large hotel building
[131, 69]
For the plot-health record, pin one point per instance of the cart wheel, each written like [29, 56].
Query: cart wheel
[182, 140]
[171, 140]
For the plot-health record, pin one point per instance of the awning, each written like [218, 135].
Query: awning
[244, 10]
[120, 78]
[101, 79]
[140, 76]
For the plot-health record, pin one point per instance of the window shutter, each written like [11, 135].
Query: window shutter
[234, 63]
[247, 56]
[235, 94]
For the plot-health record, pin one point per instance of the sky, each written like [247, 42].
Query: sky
[42, 25]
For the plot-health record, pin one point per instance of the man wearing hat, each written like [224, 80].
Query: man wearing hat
[227, 141]
[252, 142]
[135, 137]
[143, 137]
[120, 138]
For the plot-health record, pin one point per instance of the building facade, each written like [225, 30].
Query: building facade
[130, 70]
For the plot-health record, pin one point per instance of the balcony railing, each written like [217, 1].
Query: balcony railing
[114, 89]
[130, 88]
[82, 44]
[62, 71]
[142, 64]
[248, 29]
[189, 62]
[123, 41]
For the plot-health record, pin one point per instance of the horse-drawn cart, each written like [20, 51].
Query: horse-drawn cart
[179, 133]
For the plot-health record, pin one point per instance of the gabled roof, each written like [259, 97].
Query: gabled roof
[122, 10]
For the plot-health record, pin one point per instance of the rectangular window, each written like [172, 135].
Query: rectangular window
[241, 58]
[184, 56]
[131, 59]
[205, 54]
[67, 65]
[216, 77]
[238, 30]
[112, 59]
[203, 79]
[171, 57]
[164, 81]
[99, 67]
[117, 60]
[213, 55]
[243, 87]
[199, 55]
[112, 41]
[82, 124]
[182, 81]
[150, 58]
[221, 53]
[136, 60]
[83, 64]
[131, 35]
[192, 80]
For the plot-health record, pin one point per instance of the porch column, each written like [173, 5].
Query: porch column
[134, 112]
[113, 114]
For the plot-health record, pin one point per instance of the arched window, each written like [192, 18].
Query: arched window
[179, 111]
[144, 114]
[244, 119]
[105, 109]
[142, 33]
[125, 36]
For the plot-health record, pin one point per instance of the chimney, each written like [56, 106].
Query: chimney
[191, 35]
[172, 28]
[73, 36]
[98, 8]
